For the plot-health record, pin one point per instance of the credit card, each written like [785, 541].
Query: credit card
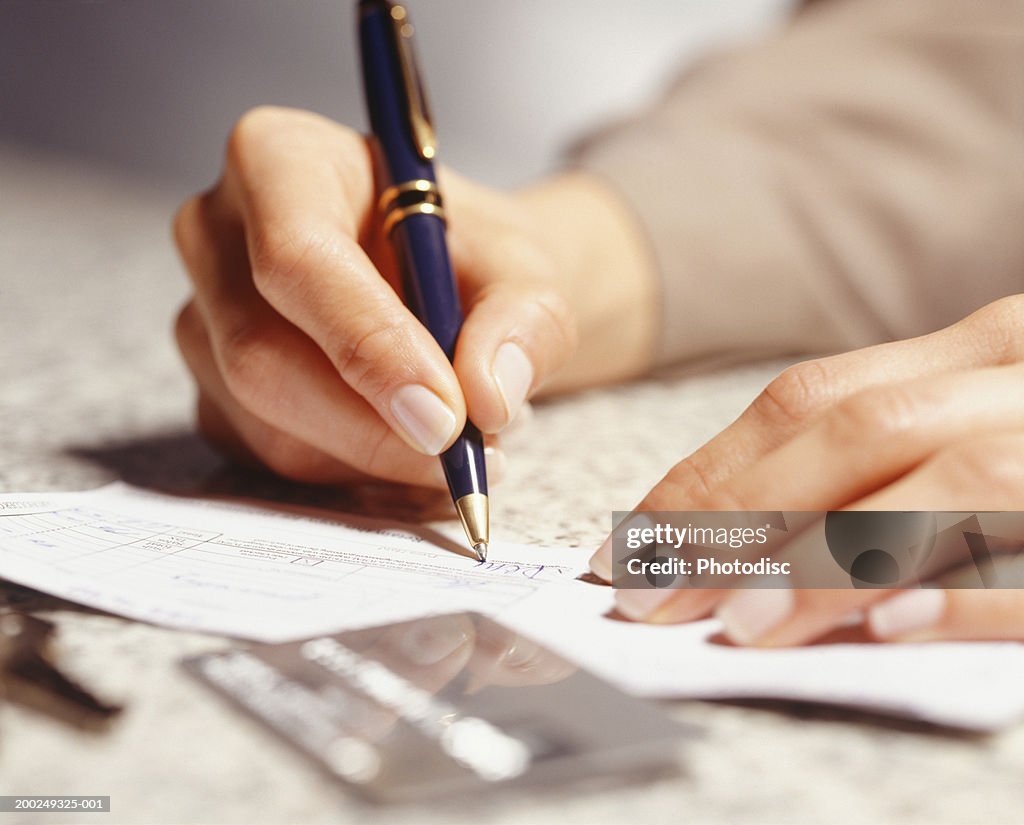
[443, 705]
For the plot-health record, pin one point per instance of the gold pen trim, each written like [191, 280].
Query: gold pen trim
[393, 193]
[419, 113]
[396, 216]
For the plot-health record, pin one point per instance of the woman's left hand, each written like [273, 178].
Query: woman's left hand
[930, 423]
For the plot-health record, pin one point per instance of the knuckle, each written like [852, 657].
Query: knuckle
[795, 395]
[882, 413]
[1007, 311]
[247, 360]
[281, 132]
[690, 485]
[366, 360]
[253, 128]
[691, 479]
[282, 254]
[556, 312]
[997, 328]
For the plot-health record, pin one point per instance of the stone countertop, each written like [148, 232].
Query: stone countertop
[92, 391]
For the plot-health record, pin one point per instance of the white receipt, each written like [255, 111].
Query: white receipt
[264, 574]
[973, 685]
[254, 572]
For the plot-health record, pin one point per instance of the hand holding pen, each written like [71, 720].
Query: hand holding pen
[308, 360]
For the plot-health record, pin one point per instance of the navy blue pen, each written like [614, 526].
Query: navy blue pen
[413, 218]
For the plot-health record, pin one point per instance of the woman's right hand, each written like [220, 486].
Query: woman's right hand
[305, 356]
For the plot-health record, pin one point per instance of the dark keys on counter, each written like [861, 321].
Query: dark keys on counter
[30, 678]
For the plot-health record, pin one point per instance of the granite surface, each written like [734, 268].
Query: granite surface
[92, 391]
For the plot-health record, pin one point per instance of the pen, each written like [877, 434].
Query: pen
[414, 221]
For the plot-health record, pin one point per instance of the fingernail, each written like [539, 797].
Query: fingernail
[601, 563]
[426, 419]
[641, 604]
[522, 655]
[497, 464]
[432, 640]
[747, 615]
[906, 613]
[514, 374]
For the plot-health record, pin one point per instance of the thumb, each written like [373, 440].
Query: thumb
[519, 327]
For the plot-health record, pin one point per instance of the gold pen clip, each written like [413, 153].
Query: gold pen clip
[419, 115]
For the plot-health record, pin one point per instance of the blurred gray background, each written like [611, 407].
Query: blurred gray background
[153, 86]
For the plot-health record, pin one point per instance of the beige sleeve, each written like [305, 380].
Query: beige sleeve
[856, 178]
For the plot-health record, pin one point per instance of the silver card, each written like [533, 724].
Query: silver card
[443, 705]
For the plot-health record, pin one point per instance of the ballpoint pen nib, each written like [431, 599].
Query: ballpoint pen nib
[473, 511]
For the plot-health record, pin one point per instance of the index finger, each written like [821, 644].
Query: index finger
[304, 189]
[801, 394]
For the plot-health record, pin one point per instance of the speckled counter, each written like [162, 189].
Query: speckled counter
[92, 391]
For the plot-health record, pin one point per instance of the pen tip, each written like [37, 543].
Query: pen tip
[481, 551]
